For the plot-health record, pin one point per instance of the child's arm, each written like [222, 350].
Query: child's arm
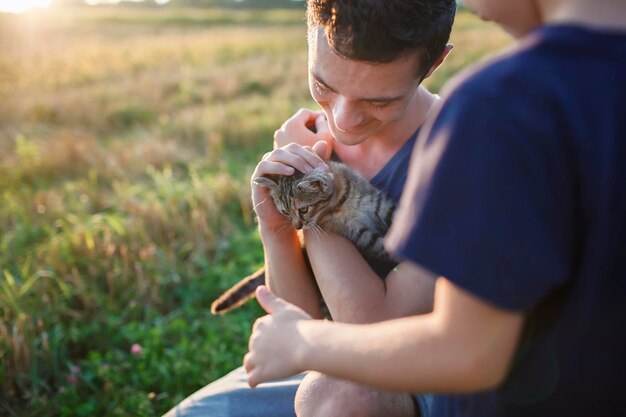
[464, 345]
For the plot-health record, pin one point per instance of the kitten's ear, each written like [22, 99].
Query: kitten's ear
[265, 182]
[317, 183]
[308, 186]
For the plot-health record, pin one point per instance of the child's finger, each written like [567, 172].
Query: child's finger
[268, 301]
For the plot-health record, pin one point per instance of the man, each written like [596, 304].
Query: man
[517, 195]
[367, 60]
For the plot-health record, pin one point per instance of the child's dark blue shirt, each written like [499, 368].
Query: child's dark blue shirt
[517, 193]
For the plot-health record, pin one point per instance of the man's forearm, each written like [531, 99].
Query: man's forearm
[286, 273]
[354, 293]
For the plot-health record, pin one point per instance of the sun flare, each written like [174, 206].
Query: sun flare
[21, 6]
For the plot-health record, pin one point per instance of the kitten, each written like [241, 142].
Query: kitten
[339, 200]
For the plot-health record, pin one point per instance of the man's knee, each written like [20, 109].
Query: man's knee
[323, 396]
[231, 396]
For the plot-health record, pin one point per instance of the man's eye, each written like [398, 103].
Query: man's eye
[320, 88]
[303, 210]
[378, 105]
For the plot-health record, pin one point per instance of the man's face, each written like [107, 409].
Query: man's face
[360, 99]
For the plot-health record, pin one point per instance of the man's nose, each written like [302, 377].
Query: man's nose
[346, 114]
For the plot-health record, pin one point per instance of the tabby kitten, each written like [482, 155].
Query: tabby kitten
[339, 200]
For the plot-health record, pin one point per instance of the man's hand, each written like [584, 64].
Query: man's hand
[276, 343]
[283, 161]
[306, 128]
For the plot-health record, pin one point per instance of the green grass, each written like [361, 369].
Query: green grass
[127, 138]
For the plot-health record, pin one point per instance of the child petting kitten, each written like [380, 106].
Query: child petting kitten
[517, 195]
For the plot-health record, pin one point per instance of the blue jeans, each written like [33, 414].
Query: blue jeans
[230, 396]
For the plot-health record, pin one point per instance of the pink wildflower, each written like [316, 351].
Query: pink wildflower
[136, 349]
[75, 369]
[72, 379]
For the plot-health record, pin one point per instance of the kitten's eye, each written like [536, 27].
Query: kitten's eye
[303, 210]
[285, 213]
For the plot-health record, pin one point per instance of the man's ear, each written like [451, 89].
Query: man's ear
[440, 60]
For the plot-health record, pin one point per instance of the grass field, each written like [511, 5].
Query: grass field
[127, 138]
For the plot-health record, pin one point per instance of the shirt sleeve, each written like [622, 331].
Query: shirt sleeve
[489, 198]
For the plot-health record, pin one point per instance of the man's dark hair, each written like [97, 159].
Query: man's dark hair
[383, 30]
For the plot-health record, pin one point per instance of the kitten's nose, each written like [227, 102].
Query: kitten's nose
[298, 224]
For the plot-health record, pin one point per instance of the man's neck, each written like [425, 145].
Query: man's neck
[596, 14]
[396, 135]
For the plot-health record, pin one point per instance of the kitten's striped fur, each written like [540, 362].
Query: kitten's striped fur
[340, 201]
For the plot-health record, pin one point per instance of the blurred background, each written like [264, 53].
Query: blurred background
[128, 133]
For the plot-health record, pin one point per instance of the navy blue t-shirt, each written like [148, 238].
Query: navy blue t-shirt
[517, 193]
[390, 180]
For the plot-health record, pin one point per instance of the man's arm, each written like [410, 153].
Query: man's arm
[286, 272]
[354, 293]
[464, 345]
[352, 290]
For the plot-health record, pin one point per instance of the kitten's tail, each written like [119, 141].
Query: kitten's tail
[238, 293]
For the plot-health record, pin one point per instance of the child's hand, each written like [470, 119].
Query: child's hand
[276, 344]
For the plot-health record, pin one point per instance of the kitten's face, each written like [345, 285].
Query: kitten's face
[301, 197]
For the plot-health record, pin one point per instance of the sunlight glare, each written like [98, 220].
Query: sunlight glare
[21, 6]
